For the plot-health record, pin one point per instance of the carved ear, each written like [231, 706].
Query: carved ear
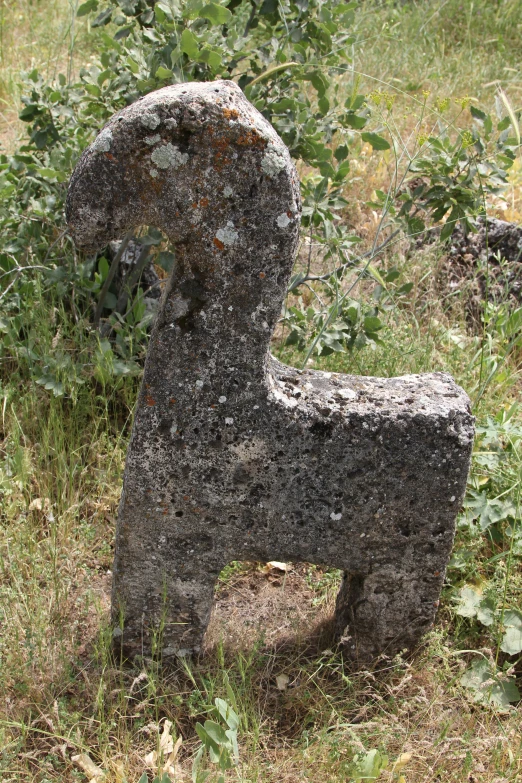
[176, 147]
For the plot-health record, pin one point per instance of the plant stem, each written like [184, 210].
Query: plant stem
[110, 276]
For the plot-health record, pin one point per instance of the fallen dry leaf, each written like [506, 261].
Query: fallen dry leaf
[275, 565]
[282, 681]
[401, 762]
[37, 504]
[61, 749]
[119, 771]
[168, 751]
[84, 761]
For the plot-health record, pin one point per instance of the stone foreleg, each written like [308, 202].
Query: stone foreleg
[161, 602]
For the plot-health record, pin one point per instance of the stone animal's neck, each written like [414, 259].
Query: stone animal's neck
[221, 305]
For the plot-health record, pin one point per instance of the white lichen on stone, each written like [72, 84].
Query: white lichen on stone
[153, 173]
[171, 123]
[199, 384]
[274, 160]
[283, 220]
[168, 156]
[150, 121]
[227, 192]
[179, 306]
[103, 141]
[227, 235]
[346, 394]
[151, 140]
[222, 399]
[335, 517]
[229, 421]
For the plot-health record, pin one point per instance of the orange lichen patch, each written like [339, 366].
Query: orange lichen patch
[221, 143]
[110, 156]
[194, 205]
[220, 161]
[204, 202]
[150, 401]
[289, 214]
[231, 114]
[218, 244]
[172, 401]
[262, 275]
[251, 139]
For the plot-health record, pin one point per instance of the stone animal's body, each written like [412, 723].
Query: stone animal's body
[233, 455]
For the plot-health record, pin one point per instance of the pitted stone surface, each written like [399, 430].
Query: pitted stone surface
[233, 455]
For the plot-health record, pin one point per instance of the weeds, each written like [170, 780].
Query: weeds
[270, 678]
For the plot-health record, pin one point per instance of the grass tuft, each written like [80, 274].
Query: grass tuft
[305, 713]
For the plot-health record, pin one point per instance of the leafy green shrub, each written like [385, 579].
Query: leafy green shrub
[218, 741]
[486, 560]
[293, 61]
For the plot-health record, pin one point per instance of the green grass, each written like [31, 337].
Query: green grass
[63, 693]
[450, 47]
[42, 34]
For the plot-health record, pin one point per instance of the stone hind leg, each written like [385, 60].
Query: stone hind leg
[162, 606]
[385, 611]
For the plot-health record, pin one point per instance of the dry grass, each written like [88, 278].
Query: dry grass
[41, 34]
[308, 727]
[64, 693]
[61, 690]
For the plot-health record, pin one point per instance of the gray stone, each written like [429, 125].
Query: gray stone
[234, 455]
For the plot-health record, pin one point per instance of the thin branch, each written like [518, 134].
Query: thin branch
[19, 269]
[108, 280]
[11, 284]
[134, 277]
[371, 253]
[53, 245]
[271, 71]
[250, 20]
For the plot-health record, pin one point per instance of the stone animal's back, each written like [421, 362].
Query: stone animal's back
[233, 455]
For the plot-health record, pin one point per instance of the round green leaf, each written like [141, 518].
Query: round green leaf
[377, 142]
[189, 44]
[163, 73]
[217, 14]
[87, 8]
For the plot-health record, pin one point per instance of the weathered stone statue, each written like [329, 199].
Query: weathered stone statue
[233, 455]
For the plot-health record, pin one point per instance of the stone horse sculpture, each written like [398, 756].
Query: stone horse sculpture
[234, 455]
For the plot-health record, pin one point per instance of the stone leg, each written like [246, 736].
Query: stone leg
[161, 609]
[385, 611]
